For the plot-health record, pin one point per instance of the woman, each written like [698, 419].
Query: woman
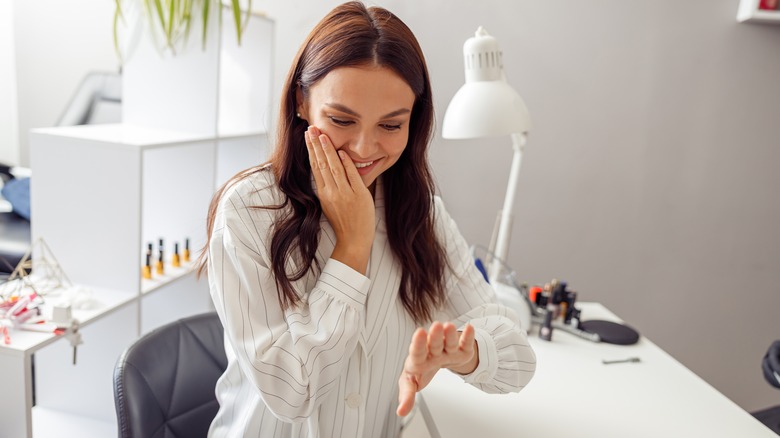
[324, 261]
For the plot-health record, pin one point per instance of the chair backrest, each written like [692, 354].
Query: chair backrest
[164, 384]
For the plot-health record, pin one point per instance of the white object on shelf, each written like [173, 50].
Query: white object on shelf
[748, 12]
[245, 81]
[221, 89]
[163, 89]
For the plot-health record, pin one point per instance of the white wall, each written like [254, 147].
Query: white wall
[57, 44]
[649, 181]
[9, 137]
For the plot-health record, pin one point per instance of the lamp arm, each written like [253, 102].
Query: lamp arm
[505, 225]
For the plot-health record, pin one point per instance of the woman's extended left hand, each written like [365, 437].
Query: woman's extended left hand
[440, 347]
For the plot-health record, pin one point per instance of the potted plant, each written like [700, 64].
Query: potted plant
[173, 79]
[170, 21]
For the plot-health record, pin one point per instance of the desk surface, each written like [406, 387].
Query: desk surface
[105, 301]
[574, 395]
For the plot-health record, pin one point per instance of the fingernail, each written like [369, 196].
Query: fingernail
[342, 155]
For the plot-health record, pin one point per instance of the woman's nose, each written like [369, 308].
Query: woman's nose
[365, 144]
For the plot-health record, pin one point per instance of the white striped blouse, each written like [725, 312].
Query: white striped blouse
[330, 367]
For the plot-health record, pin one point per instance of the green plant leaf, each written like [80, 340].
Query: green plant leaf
[175, 19]
[186, 18]
[237, 18]
[117, 16]
[171, 19]
[161, 15]
[246, 17]
[205, 18]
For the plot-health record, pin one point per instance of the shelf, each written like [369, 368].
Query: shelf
[121, 134]
[114, 134]
[749, 12]
[103, 192]
[171, 274]
[52, 423]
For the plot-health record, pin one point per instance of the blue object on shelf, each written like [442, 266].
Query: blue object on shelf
[17, 192]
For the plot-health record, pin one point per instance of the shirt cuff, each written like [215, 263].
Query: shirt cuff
[488, 358]
[344, 283]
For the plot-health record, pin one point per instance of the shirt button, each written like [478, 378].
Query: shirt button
[354, 400]
[483, 377]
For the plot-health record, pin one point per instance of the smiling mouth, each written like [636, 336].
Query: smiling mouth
[362, 165]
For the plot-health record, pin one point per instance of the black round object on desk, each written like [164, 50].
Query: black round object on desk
[611, 332]
[771, 364]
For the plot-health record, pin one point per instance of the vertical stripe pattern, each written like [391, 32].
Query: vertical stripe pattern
[330, 367]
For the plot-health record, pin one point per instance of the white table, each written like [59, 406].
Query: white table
[574, 395]
[16, 359]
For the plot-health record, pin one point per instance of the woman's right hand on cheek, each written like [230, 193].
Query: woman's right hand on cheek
[345, 200]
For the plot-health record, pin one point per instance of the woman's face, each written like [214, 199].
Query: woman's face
[365, 111]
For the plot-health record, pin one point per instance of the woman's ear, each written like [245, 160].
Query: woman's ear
[301, 108]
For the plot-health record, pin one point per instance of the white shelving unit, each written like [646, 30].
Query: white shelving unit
[749, 12]
[101, 193]
[155, 184]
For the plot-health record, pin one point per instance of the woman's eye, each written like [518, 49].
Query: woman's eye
[341, 122]
[391, 127]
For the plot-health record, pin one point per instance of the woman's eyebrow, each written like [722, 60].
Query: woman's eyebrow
[344, 109]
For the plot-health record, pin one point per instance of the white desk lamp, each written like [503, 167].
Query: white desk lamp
[486, 106]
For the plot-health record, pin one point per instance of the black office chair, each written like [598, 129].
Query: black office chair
[164, 383]
[771, 368]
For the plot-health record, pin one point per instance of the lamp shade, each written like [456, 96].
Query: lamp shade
[485, 105]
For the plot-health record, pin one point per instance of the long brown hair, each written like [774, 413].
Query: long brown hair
[353, 35]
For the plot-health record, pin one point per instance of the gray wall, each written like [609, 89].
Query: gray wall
[649, 176]
[647, 179]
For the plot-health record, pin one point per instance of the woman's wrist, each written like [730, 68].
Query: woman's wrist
[354, 257]
[468, 367]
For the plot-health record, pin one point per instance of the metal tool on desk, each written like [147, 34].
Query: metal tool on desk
[556, 298]
[550, 307]
[515, 295]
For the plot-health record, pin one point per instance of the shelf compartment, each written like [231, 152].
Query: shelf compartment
[749, 12]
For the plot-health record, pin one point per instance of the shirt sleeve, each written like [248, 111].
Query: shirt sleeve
[506, 360]
[293, 357]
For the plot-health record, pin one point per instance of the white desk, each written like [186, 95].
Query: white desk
[77, 400]
[16, 360]
[574, 395]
